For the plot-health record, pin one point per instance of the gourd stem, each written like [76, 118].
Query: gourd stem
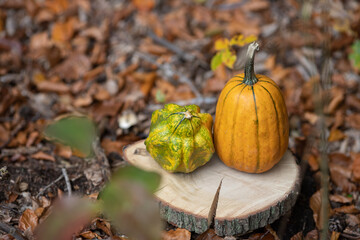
[250, 77]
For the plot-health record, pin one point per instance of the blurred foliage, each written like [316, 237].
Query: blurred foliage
[355, 55]
[225, 50]
[78, 132]
[127, 201]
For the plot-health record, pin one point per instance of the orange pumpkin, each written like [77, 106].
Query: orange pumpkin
[251, 130]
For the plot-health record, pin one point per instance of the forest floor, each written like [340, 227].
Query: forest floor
[117, 61]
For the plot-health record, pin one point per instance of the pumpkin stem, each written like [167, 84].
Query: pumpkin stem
[250, 77]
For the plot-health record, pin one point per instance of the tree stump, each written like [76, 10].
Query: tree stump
[246, 201]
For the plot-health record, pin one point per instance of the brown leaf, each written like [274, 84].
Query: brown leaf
[341, 177]
[39, 41]
[347, 209]
[209, 235]
[335, 236]
[62, 32]
[93, 32]
[32, 138]
[28, 220]
[44, 15]
[256, 5]
[315, 205]
[352, 220]
[4, 134]
[313, 162]
[57, 6]
[118, 145]
[73, 67]
[178, 234]
[339, 159]
[43, 156]
[354, 120]
[298, 236]
[353, 102]
[146, 80]
[63, 151]
[104, 226]
[89, 235]
[336, 135]
[57, 87]
[83, 101]
[339, 198]
[338, 95]
[144, 5]
[311, 117]
[356, 167]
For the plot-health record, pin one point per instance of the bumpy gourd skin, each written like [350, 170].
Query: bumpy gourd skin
[180, 138]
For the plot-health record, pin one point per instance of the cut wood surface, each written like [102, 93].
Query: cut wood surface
[246, 201]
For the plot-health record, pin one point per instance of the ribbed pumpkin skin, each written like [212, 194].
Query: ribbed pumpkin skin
[177, 143]
[251, 129]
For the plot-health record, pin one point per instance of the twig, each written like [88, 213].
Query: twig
[20, 150]
[183, 55]
[48, 186]
[170, 72]
[11, 77]
[67, 181]
[11, 230]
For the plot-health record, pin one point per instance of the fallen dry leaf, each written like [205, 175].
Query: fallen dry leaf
[336, 135]
[28, 219]
[347, 209]
[144, 5]
[341, 177]
[356, 167]
[256, 5]
[73, 67]
[353, 102]
[339, 159]
[89, 235]
[63, 31]
[340, 198]
[58, 87]
[298, 236]
[83, 101]
[313, 162]
[63, 151]
[354, 120]
[209, 235]
[177, 234]
[43, 156]
[103, 225]
[335, 236]
[57, 6]
[315, 205]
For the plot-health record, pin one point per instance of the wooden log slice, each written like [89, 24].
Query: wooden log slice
[246, 201]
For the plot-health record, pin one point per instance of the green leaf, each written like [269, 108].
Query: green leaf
[149, 180]
[160, 96]
[228, 58]
[78, 132]
[128, 202]
[216, 61]
[355, 55]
